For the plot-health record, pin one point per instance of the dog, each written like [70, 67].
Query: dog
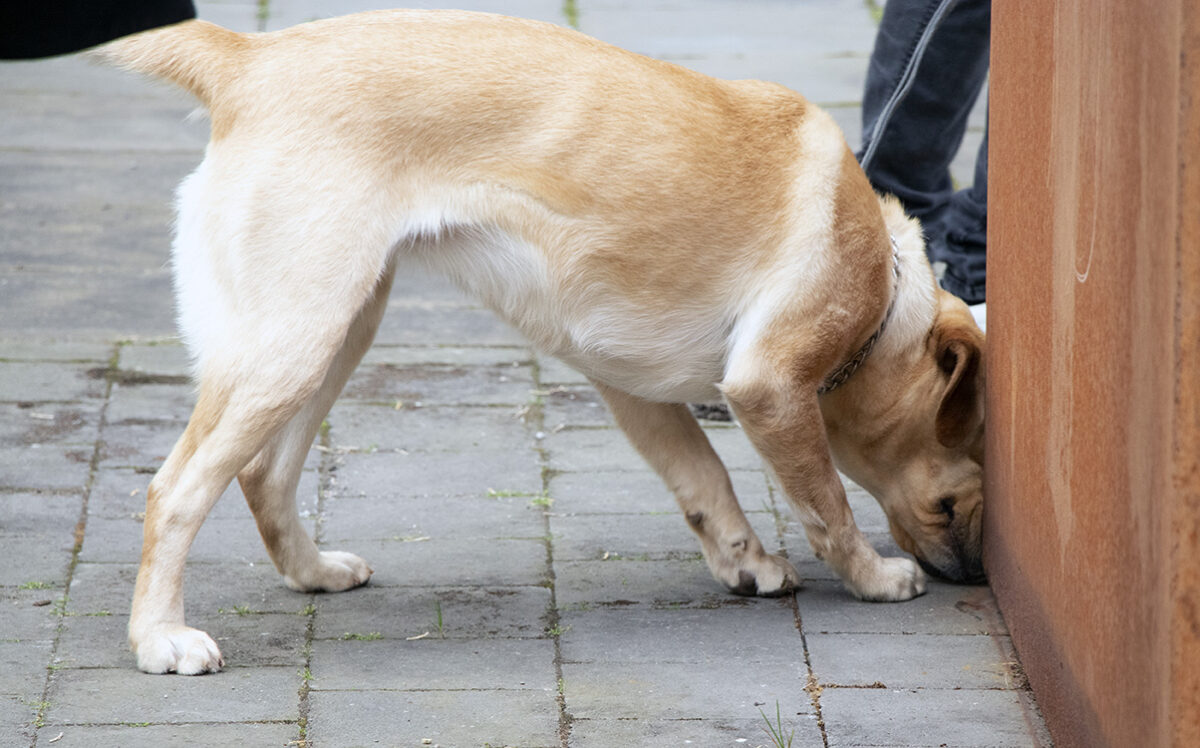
[674, 237]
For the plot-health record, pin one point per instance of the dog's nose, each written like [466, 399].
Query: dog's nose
[960, 571]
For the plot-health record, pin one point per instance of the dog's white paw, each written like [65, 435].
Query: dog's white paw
[334, 571]
[764, 575]
[891, 580]
[177, 649]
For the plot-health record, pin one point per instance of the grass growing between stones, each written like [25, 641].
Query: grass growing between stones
[776, 730]
[571, 13]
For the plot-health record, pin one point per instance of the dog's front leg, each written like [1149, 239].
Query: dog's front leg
[784, 424]
[671, 441]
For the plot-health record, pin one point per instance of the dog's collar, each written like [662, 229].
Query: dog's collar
[844, 372]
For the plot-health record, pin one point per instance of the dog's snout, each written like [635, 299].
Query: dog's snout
[962, 568]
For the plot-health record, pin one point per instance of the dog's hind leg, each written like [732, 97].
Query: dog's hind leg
[276, 304]
[234, 417]
[671, 441]
[269, 481]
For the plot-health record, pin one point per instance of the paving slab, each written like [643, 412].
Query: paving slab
[731, 733]
[521, 717]
[890, 717]
[124, 695]
[434, 664]
[141, 735]
[672, 690]
[754, 631]
[443, 612]
[434, 474]
[642, 492]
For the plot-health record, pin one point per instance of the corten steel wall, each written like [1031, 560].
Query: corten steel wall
[1093, 459]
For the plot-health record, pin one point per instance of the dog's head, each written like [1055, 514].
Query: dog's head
[912, 435]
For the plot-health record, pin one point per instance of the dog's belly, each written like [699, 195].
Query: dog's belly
[660, 354]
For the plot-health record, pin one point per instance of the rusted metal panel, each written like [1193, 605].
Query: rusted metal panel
[1093, 487]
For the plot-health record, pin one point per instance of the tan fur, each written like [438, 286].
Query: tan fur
[673, 236]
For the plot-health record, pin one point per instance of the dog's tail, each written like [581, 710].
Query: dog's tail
[196, 55]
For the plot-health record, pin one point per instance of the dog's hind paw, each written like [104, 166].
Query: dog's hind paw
[891, 580]
[177, 649]
[765, 576]
[335, 571]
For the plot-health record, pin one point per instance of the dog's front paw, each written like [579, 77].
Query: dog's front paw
[177, 649]
[890, 580]
[764, 575]
[334, 571]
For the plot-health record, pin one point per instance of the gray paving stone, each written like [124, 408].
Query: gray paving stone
[733, 733]
[475, 518]
[573, 407]
[29, 514]
[888, 717]
[23, 620]
[41, 558]
[239, 15]
[427, 429]
[94, 303]
[41, 240]
[447, 354]
[641, 492]
[581, 585]
[434, 384]
[155, 120]
[125, 695]
[72, 426]
[135, 735]
[37, 532]
[45, 468]
[502, 563]
[669, 691]
[490, 612]
[53, 350]
[908, 661]
[553, 372]
[433, 664]
[138, 444]
[588, 537]
[35, 381]
[826, 608]
[168, 358]
[299, 11]
[575, 450]
[445, 718]
[467, 473]
[406, 325]
[756, 631]
[418, 287]
[24, 667]
[16, 722]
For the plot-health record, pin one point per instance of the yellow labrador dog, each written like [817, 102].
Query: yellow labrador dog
[674, 237]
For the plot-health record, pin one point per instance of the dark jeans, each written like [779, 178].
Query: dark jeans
[927, 69]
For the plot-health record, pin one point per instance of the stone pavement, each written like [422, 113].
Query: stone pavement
[534, 584]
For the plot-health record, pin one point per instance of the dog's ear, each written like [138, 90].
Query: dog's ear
[958, 351]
